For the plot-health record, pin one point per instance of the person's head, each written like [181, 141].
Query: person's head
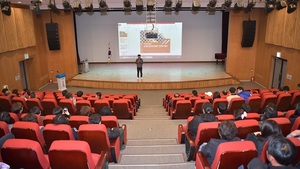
[239, 114]
[139, 55]
[68, 95]
[232, 90]
[85, 110]
[239, 89]
[270, 111]
[222, 108]
[17, 107]
[207, 108]
[216, 95]
[281, 151]
[224, 92]
[209, 118]
[99, 94]
[297, 109]
[95, 118]
[27, 91]
[246, 107]
[106, 111]
[57, 110]
[64, 92]
[4, 116]
[286, 88]
[32, 95]
[60, 119]
[15, 91]
[30, 117]
[227, 130]
[4, 90]
[79, 93]
[176, 95]
[270, 128]
[195, 93]
[35, 110]
[8, 93]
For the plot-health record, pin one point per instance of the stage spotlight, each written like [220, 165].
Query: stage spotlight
[196, 5]
[150, 5]
[77, 6]
[5, 7]
[89, 6]
[226, 5]
[280, 4]
[139, 5]
[103, 6]
[211, 6]
[67, 6]
[270, 5]
[127, 5]
[178, 5]
[53, 7]
[239, 5]
[250, 6]
[292, 6]
[36, 7]
[168, 5]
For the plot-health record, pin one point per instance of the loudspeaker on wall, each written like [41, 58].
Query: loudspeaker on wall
[52, 36]
[249, 28]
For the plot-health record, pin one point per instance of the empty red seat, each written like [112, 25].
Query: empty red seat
[295, 100]
[254, 102]
[245, 127]
[76, 121]
[31, 102]
[3, 128]
[121, 109]
[266, 99]
[182, 110]
[5, 103]
[283, 102]
[49, 105]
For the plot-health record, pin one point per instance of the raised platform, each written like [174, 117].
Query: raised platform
[155, 76]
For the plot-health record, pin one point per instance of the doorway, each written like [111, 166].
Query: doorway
[279, 72]
[24, 74]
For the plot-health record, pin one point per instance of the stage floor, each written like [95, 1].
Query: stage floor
[154, 72]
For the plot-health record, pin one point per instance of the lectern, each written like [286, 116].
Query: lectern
[61, 81]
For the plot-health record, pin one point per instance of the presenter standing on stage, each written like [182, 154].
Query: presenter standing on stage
[139, 66]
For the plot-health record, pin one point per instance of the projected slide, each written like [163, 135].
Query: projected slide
[159, 40]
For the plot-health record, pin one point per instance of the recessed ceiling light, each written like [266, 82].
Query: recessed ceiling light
[19, 2]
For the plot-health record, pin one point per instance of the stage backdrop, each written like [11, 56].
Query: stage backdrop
[201, 36]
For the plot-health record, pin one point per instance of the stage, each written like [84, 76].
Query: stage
[155, 76]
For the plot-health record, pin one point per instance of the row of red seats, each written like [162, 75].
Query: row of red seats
[209, 130]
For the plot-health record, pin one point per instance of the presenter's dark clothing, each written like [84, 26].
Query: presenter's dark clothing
[139, 66]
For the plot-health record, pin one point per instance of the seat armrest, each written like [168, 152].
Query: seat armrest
[181, 134]
[103, 161]
[115, 149]
[124, 127]
[201, 161]
[189, 147]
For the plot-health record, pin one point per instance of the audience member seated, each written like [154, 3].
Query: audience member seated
[64, 92]
[59, 110]
[99, 95]
[85, 110]
[79, 93]
[243, 93]
[246, 107]
[227, 131]
[4, 116]
[270, 112]
[194, 123]
[112, 133]
[69, 96]
[15, 92]
[239, 114]
[216, 95]
[295, 133]
[31, 117]
[285, 89]
[35, 110]
[17, 108]
[296, 113]
[280, 154]
[61, 119]
[232, 95]
[106, 111]
[194, 93]
[222, 108]
[268, 128]
[176, 95]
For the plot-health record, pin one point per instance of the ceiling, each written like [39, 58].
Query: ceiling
[118, 4]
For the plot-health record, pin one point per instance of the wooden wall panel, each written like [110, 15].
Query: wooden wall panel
[289, 30]
[279, 25]
[20, 25]
[29, 27]
[270, 28]
[296, 43]
[3, 45]
[10, 31]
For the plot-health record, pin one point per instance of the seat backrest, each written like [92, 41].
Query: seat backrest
[246, 126]
[109, 121]
[3, 129]
[99, 104]
[48, 119]
[197, 109]
[110, 100]
[54, 132]
[49, 105]
[252, 115]
[254, 102]
[28, 130]
[235, 103]
[39, 119]
[216, 104]
[68, 104]
[182, 110]
[81, 103]
[22, 101]
[295, 99]
[121, 109]
[234, 154]
[296, 124]
[31, 102]
[266, 99]
[224, 117]
[96, 136]
[27, 153]
[174, 101]
[205, 132]
[283, 102]
[284, 124]
[76, 121]
[70, 154]
[92, 100]
[13, 118]
[289, 113]
[296, 142]
[193, 100]
[5, 103]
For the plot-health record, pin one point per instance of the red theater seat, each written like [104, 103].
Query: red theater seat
[182, 129]
[284, 124]
[112, 122]
[246, 126]
[76, 121]
[254, 102]
[5, 103]
[182, 110]
[197, 109]
[49, 105]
